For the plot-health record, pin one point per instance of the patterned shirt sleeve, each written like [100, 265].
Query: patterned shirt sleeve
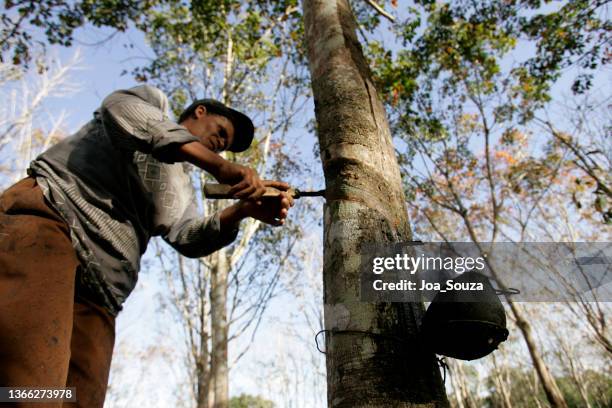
[136, 119]
[181, 224]
[195, 237]
[176, 216]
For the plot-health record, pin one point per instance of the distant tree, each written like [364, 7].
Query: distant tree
[26, 126]
[523, 396]
[250, 401]
[587, 140]
[294, 370]
[465, 384]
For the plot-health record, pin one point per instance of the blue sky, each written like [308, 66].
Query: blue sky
[101, 72]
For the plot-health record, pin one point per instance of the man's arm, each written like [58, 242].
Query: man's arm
[194, 237]
[135, 119]
[245, 181]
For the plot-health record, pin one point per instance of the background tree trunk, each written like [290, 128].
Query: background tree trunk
[218, 301]
[202, 357]
[203, 376]
[502, 384]
[553, 393]
[365, 203]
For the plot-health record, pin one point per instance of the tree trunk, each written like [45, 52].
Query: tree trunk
[570, 360]
[534, 388]
[218, 303]
[365, 203]
[453, 375]
[501, 382]
[202, 380]
[203, 362]
[463, 382]
[553, 394]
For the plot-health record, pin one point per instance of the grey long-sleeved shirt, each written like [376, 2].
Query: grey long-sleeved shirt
[115, 188]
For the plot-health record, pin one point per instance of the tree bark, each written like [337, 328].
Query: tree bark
[365, 203]
[202, 360]
[219, 329]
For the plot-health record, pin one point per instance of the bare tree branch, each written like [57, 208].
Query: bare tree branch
[380, 10]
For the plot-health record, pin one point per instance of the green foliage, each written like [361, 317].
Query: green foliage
[464, 43]
[57, 20]
[576, 34]
[521, 387]
[368, 19]
[191, 44]
[473, 73]
[250, 401]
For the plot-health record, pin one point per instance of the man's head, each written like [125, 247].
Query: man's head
[217, 126]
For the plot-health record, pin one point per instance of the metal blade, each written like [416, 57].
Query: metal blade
[300, 193]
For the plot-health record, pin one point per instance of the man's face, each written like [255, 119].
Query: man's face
[215, 132]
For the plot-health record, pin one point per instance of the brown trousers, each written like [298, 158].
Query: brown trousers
[48, 336]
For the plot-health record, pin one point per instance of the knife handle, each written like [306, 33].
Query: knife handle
[219, 191]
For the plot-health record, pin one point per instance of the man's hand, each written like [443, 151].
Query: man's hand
[245, 181]
[271, 210]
